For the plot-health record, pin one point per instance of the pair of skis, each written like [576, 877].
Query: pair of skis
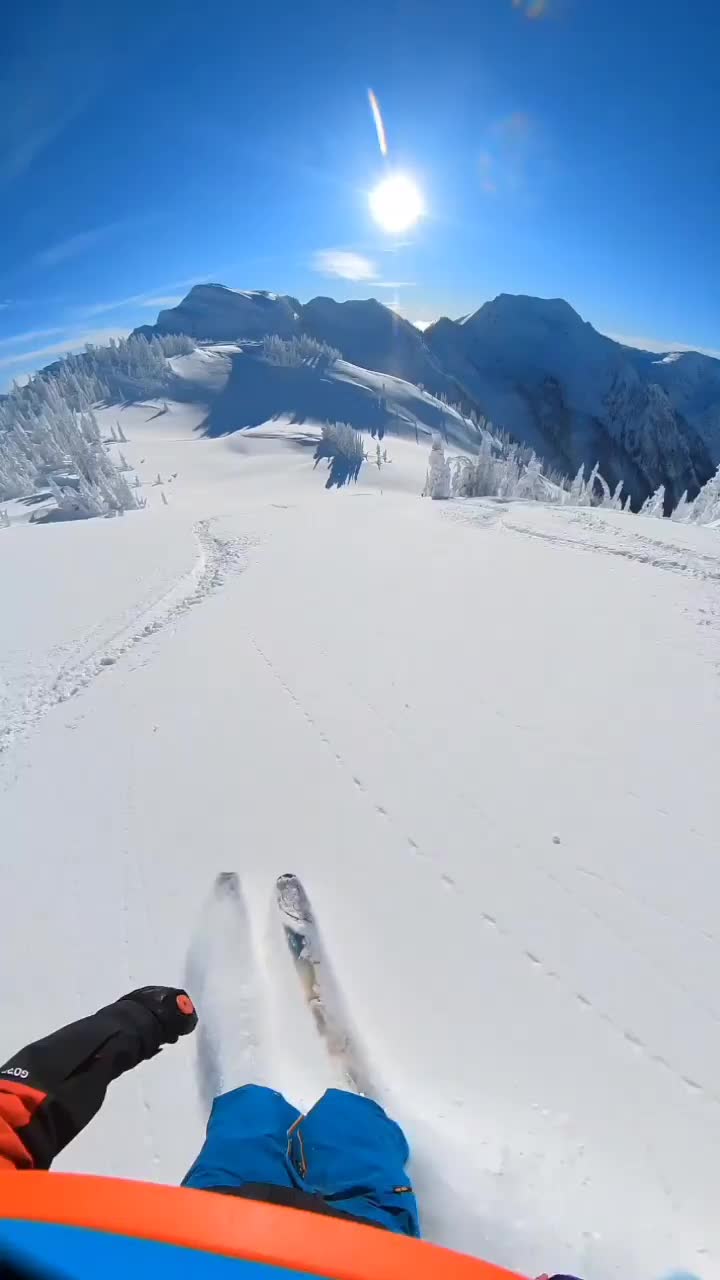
[315, 973]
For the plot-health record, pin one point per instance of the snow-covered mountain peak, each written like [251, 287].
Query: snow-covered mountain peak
[212, 311]
[518, 307]
[534, 366]
[544, 324]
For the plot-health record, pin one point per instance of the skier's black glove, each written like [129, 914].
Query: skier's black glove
[172, 1007]
[58, 1084]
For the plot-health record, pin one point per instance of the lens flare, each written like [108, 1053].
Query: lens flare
[379, 123]
[396, 203]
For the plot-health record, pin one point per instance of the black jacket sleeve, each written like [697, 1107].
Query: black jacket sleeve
[51, 1089]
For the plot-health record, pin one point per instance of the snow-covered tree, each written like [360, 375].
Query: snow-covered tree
[578, 489]
[438, 480]
[48, 432]
[706, 507]
[503, 470]
[616, 501]
[342, 446]
[532, 484]
[46, 443]
[296, 351]
[655, 504]
[683, 509]
[125, 369]
[4, 520]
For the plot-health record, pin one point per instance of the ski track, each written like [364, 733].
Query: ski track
[658, 556]
[495, 922]
[656, 553]
[217, 559]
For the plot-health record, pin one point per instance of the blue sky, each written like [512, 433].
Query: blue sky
[564, 147]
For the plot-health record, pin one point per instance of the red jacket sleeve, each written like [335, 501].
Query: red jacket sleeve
[18, 1103]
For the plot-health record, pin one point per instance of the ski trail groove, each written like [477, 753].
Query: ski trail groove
[659, 556]
[217, 559]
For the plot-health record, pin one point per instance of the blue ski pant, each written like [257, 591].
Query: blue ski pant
[346, 1150]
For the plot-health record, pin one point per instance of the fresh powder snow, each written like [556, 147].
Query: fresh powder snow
[482, 732]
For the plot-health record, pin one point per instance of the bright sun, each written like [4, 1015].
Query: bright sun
[396, 203]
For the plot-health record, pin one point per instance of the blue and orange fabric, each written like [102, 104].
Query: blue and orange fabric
[106, 1214]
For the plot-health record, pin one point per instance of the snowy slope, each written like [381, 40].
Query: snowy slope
[318, 391]
[229, 387]
[533, 366]
[486, 737]
[372, 335]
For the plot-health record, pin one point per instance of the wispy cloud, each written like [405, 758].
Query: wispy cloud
[395, 284]
[56, 59]
[31, 335]
[171, 300]
[157, 296]
[344, 264]
[70, 342]
[74, 246]
[53, 64]
[90, 309]
[659, 346]
[30, 121]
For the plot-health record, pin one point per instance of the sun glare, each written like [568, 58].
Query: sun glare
[396, 203]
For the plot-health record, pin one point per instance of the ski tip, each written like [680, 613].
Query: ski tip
[227, 882]
[291, 896]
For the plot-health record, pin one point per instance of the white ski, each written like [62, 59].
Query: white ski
[222, 977]
[318, 982]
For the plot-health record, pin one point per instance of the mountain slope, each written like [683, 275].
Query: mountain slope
[692, 383]
[466, 726]
[370, 334]
[533, 365]
[243, 389]
[530, 365]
